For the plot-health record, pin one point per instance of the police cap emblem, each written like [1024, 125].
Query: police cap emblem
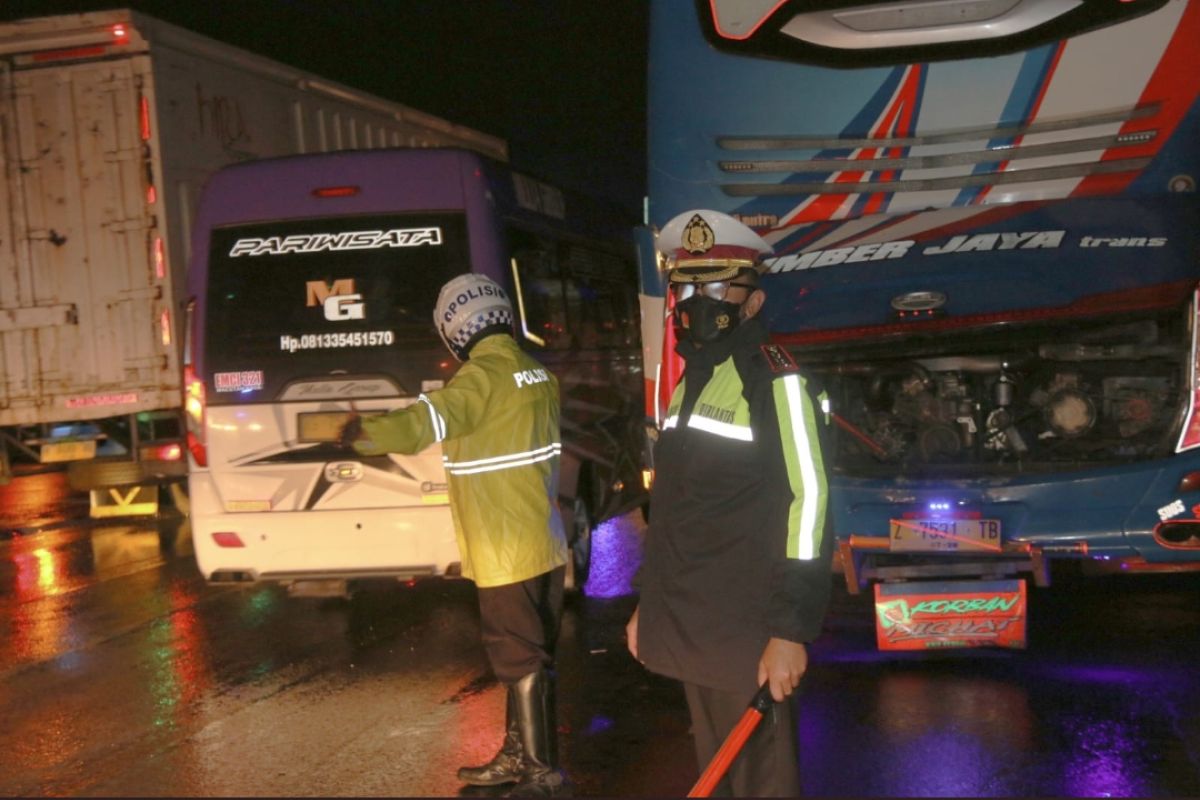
[698, 237]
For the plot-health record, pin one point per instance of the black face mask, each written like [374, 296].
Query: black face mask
[701, 319]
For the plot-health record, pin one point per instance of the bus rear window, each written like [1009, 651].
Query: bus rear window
[296, 300]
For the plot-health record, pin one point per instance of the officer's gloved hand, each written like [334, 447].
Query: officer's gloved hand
[351, 430]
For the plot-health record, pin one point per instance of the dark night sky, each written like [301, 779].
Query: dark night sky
[562, 80]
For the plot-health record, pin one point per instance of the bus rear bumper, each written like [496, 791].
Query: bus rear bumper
[285, 547]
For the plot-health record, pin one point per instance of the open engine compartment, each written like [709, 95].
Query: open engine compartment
[1042, 397]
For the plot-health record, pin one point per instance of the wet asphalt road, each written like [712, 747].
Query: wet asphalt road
[123, 674]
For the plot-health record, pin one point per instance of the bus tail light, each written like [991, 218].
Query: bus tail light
[193, 406]
[228, 539]
[326, 192]
[1189, 438]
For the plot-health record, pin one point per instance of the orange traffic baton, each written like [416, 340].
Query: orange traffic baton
[759, 705]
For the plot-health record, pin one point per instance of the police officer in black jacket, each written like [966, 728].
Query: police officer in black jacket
[735, 577]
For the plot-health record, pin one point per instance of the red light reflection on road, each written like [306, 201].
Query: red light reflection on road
[911, 706]
[477, 729]
[37, 573]
[31, 501]
[181, 671]
[192, 670]
[39, 630]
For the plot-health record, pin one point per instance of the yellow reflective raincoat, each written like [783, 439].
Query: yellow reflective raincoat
[497, 420]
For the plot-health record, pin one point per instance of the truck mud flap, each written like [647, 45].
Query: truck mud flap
[123, 501]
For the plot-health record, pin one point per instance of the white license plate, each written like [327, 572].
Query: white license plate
[68, 451]
[941, 535]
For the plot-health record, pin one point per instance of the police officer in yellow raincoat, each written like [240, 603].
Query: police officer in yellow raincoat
[497, 420]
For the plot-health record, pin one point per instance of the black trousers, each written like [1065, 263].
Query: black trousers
[520, 623]
[768, 764]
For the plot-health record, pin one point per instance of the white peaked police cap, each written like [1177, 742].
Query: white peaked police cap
[703, 245]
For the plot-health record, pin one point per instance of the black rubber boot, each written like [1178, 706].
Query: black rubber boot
[538, 725]
[507, 766]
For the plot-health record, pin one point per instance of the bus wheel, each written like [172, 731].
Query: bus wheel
[580, 544]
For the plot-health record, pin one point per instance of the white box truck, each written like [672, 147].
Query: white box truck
[110, 123]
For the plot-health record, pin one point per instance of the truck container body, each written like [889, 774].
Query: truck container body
[111, 123]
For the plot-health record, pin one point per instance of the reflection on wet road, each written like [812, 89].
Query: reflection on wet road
[122, 673]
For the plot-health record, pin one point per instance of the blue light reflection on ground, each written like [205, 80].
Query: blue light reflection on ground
[922, 729]
[944, 764]
[1108, 757]
[1105, 760]
[919, 757]
[599, 724]
[1083, 673]
[616, 556]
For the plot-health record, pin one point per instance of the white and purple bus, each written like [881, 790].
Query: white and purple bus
[987, 247]
[312, 284]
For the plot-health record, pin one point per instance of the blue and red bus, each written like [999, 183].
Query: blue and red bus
[985, 225]
[312, 282]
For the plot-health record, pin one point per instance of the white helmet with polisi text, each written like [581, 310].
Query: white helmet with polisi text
[469, 307]
[702, 245]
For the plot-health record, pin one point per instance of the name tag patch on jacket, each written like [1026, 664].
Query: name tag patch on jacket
[528, 377]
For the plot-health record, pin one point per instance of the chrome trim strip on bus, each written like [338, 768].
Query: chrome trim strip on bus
[931, 184]
[997, 153]
[962, 135]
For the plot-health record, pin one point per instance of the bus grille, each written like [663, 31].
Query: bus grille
[967, 158]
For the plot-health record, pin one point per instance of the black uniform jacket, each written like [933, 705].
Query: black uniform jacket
[716, 581]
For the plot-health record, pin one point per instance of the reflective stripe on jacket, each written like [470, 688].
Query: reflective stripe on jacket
[722, 410]
[498, 422]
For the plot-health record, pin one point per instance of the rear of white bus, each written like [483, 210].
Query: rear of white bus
[299, 322]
